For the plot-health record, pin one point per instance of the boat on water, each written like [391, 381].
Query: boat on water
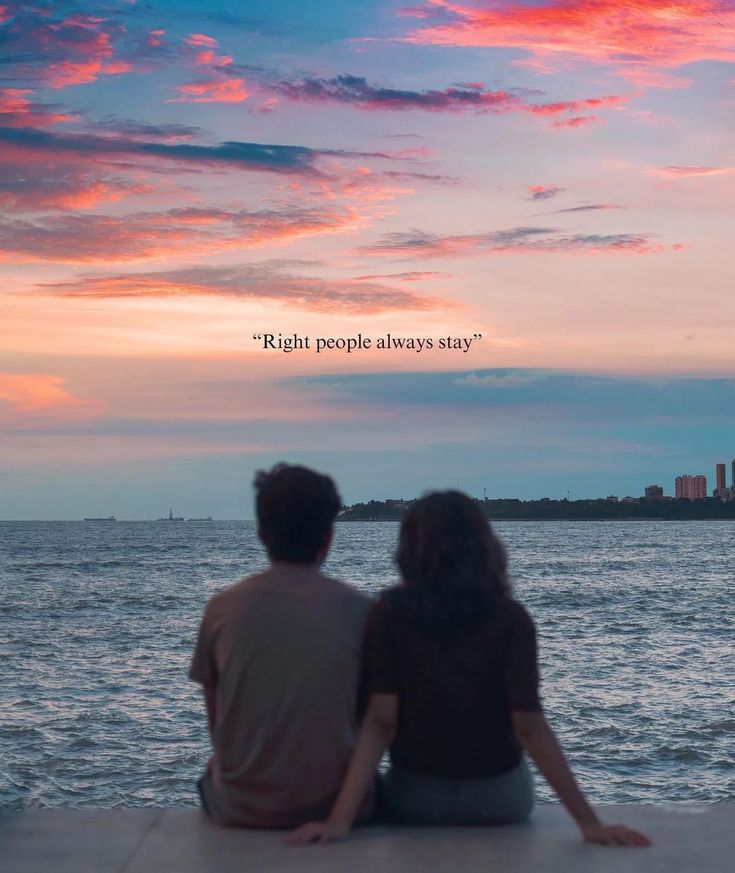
[107, 518]
[172, 517]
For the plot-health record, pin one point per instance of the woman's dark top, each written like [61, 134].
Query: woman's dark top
[454, 697]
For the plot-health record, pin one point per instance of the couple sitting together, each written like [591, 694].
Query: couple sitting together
[308, 682]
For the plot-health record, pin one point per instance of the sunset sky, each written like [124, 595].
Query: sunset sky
[175, 178]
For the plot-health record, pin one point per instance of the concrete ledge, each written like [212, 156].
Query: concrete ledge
[687, 839]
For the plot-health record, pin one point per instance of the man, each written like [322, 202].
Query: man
[278, 655]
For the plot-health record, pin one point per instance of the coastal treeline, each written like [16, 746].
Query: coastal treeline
[511, 509]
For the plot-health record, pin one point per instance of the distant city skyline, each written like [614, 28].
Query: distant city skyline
[686, 486]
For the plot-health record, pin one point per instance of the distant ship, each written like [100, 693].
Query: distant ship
[172, 517]
[208, 518]
[109, 518]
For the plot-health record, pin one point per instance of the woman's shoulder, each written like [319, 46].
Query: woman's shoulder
[515, 614]
[385, 607]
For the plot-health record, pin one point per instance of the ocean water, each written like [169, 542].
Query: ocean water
[97, 624]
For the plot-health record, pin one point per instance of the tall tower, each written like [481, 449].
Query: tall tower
[721, 479]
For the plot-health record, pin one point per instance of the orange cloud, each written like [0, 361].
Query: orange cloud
[35, 392]
[636, 38]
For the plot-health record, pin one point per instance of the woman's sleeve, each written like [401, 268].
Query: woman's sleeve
[520, 668]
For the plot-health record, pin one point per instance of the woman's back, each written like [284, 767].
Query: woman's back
[455, 693]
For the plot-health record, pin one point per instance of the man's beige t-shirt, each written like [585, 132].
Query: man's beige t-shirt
[283, 651]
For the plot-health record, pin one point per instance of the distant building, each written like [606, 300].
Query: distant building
[630, 499]
[690, 487]
[653, 492]
[720, 478]
[611, 498]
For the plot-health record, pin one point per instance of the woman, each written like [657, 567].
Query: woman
[452, 680]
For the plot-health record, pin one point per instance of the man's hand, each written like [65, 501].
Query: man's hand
[614, 835]
[321, 832]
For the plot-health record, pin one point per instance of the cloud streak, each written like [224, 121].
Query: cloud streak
[516, 240]
[265, 283]
[691, 172]
[357, 92]
[87, 239]
[262, 157]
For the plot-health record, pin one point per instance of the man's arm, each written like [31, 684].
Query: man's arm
[536, 736]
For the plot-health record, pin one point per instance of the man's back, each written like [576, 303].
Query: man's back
[282, 651]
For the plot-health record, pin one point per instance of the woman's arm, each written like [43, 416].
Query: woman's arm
[376, 734]
[534, 734]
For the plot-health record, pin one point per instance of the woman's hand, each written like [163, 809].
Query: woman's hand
[614, 835]
[321, 832]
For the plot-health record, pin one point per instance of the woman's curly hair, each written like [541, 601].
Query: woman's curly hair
[453, 567]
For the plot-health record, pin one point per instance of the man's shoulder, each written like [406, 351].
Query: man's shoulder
[240, 589]
[254, 585]
[352, 596]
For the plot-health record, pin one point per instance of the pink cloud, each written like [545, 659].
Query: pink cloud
[268, 105]
[543, 192]
[43, 45]
[559, 106]
[201, 39]
[576, 121]
[636, 38]
[212, 91]
[679, 172]
[154, 38]
[17, 110]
